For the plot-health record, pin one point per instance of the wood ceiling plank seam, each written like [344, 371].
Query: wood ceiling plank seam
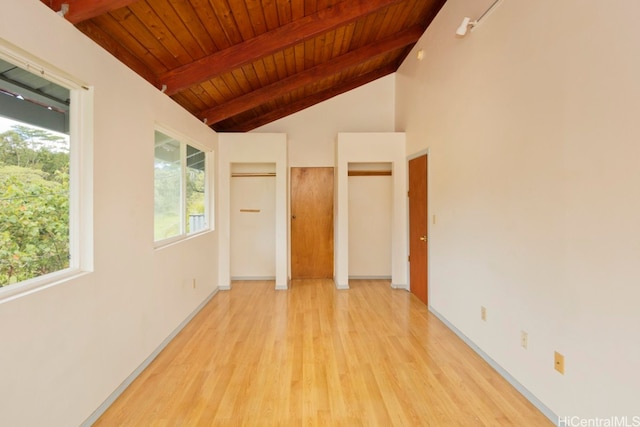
[368, 30]
[176, 26]
[309, 53]
[318, 49]
[150, 19]
[242, 81]
[361, 25]
[256, 16]
[327, 49]
[197, 96]
[338, 42]
[213, 92]
[428, 11]
[130, 22]
[227, 21]
[348, 35]
[284, 11]
[270, 67]
[232, 84]
[299, 57]
[281, 65]
[300, 80]
[251, 76]
[222, 87]
[194, 25]
[270, 10]
[211, 23]
[270, 42]
[241, 16]
[80, 11]
[412, 7]
[125, 39]
[290, 60]
[120, 51]
[204, 94]
[393, 21]
[261, 72]
[404, 16]
[297, 9]
[309, 101]
[381, 26]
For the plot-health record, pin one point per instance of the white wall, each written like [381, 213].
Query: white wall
[311, 133]
[66, 348]
[531, 121]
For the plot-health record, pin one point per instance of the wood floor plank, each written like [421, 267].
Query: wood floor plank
[317, 356]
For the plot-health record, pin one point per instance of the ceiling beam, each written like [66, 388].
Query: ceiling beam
[309, 101]
[260, 96]
[82, 10]
[270, 42]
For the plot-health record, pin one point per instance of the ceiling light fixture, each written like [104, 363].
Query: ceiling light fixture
[467, 24]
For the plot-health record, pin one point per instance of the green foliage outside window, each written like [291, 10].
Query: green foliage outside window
[34, 204]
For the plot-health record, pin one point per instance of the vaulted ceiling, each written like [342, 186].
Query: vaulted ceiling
[240, 64]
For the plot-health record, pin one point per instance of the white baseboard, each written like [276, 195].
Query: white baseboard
[339, 286]
[504, 374]
[127, 382]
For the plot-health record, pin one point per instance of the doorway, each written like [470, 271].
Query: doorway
[418, 232]
[312, 192]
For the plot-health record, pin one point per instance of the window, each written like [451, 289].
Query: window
[180, 193]
[39, 207]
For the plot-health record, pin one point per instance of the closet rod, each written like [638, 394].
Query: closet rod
[369, 173]
[252, 174]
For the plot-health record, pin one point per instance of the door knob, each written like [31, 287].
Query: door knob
[423, 238]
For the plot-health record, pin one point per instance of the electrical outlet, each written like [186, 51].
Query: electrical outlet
[483, 313]
[524, 339]
[558, 362]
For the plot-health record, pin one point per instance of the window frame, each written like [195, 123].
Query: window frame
[208, 197]
[80, 175]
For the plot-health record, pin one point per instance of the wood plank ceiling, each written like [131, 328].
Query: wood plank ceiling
[240, 64]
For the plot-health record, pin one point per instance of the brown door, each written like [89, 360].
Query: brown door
[311, 223]
[418, 243]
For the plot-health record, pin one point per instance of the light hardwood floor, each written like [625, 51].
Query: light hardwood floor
[317, 356]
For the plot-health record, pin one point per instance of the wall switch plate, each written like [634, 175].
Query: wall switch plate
[558, 362]
[524, 339]
[483, 313]
[194, 283]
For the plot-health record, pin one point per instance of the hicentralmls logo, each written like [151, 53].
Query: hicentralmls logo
[575, 421]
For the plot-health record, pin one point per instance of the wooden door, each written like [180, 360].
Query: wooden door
[311, 223]
[418, 243]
